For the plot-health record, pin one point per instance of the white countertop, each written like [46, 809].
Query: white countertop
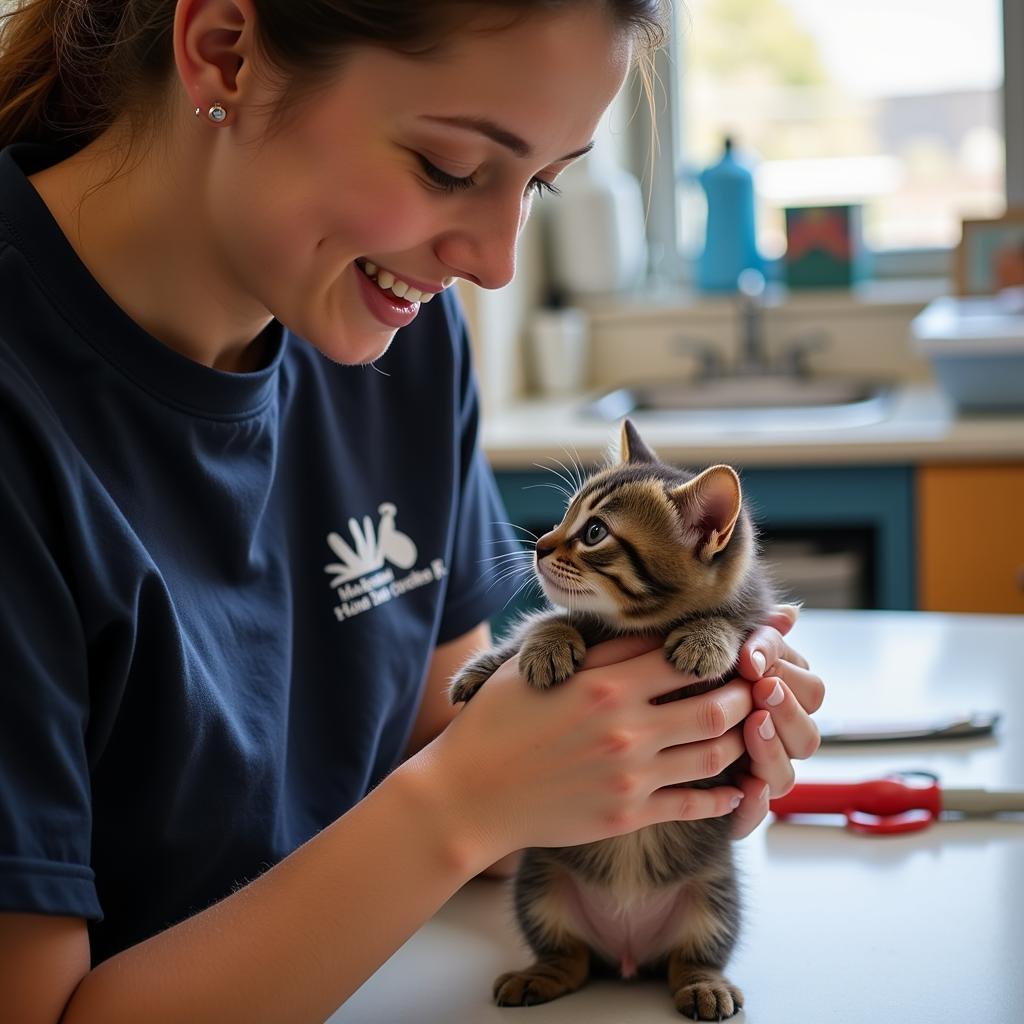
[840, 928]
[921, 427]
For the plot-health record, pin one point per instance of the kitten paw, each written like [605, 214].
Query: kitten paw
[530, 987]
[550, 656]
[706, 649]
[708, 1000]
[471, 677]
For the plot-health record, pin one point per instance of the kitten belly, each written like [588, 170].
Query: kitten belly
[627, 934]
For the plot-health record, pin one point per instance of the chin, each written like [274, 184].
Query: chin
[352, 348]
[597, 604]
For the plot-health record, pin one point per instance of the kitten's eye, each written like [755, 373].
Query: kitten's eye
[594, 532]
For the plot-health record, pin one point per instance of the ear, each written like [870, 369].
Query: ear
[632, 447]
[710, 507]
[214, 47]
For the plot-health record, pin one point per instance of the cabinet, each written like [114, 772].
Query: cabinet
[970, 524]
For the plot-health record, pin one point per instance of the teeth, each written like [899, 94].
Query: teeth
[388, 282]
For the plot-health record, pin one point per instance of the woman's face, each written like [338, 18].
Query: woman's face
[424, 166]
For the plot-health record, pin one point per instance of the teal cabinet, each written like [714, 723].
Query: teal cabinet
[878, 499]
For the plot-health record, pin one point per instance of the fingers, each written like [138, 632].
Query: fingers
[806, 687]
[796, 730]
[621, 649]
[685, 804]
[693, 761]
[782, 617]
[634, 667]
[769, 761]
[705, 717]
[779, 730]
[753, 808]
[762, 649]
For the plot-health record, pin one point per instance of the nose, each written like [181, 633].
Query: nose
[546, 545]
[482, 248]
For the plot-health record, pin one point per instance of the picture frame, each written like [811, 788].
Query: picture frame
[990, 255]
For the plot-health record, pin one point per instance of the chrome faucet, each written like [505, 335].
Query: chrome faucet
[754, 360]
[753, 357]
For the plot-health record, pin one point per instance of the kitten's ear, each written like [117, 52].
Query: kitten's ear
[710, 507]
[632, 447]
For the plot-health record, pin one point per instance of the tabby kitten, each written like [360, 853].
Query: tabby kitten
[643, 548]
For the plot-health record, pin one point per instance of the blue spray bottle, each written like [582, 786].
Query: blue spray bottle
[730, 245]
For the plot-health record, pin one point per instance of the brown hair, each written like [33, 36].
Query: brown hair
[68, 68]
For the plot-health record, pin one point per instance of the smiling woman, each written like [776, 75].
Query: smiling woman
[221, 795]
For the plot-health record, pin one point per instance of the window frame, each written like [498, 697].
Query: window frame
[664, 137]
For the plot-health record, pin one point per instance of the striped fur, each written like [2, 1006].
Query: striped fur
[643, 547]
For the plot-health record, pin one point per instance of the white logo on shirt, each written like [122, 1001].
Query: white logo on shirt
[360, 577]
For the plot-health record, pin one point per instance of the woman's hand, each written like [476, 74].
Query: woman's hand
[588, 759]
[785, 693]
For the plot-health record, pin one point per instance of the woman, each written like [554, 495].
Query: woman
[237, 574]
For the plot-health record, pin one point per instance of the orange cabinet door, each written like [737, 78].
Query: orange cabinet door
[970, 521]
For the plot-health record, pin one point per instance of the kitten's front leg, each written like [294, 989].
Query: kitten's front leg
[477, 671]
[553, 651]
[704, 647]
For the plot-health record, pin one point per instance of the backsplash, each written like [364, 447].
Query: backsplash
[861, 337]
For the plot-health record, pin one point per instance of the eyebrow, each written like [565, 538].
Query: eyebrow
[502, 136]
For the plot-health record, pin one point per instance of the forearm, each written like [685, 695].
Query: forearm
[296, 942]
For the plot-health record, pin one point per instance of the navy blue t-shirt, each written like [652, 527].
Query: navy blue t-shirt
[219, 593]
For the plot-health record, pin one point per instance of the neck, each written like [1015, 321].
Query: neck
[139, 224]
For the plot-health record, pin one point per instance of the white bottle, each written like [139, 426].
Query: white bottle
[597, 228]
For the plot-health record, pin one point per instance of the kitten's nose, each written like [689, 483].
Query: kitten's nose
[545, 546]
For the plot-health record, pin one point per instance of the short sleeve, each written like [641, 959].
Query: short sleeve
[45, 803]
[477, 589]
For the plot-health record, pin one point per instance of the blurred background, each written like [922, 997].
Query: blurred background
[806, 260]
[897, 104]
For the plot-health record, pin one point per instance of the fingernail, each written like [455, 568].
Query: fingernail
[776, 697]
[736, 801]
[760, 662]
[766, 730]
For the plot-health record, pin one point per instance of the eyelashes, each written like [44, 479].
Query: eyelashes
[450, 183]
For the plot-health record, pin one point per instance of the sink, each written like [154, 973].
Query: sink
[742, 403]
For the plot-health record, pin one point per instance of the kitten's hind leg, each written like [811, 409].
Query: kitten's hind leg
[701, 992]
[553, 975]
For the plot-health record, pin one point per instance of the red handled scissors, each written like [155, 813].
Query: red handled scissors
[901, 802]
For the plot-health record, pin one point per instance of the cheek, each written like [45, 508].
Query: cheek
[304, 237]
[379, 222]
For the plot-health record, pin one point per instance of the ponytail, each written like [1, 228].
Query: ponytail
[66, 66]
[28, 70]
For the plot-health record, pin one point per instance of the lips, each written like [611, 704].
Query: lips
[400, 284]
[386, 307]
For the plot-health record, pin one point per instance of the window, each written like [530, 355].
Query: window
[894, 104]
